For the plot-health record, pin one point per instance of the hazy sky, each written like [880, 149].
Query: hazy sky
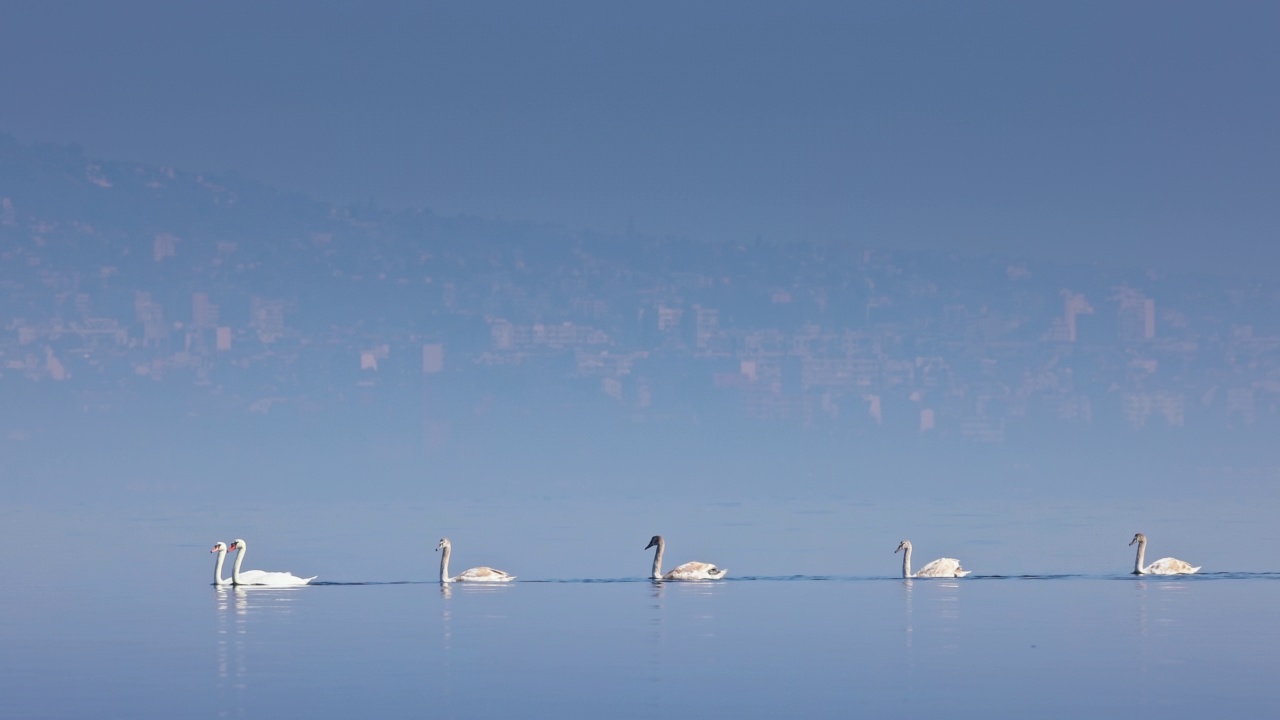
[1126, 132]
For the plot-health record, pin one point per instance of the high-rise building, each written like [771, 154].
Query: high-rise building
[1136, 315]
[267, 317]
[669, 318]
[1074, 305]
[165, 245]
[708, 325]
[432, 358]
[204, 314]
[151, 315]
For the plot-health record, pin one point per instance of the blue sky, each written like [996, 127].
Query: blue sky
[1088, 131]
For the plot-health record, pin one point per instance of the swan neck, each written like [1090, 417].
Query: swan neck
[235, 569]
[217, 569]
[657, 561]
[1137, 563]
[906, 561]
[444, 564]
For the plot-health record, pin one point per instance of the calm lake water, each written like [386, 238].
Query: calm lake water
[118, 619]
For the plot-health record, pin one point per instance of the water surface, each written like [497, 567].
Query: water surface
[115, 616]
[1068, 646]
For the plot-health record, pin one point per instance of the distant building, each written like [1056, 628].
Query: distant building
[875, 408]
[164, 245]
[267, 318]
[1136, 315]
[502, 332]
[369, 358]
[669, 318]
[707, 326]
[151, 316]
[204, 314]
[432, 358]
[1073, 305]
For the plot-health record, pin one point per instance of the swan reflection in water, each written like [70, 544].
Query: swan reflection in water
[242, 599]
[445, 674]
[232, 608]
[1158, 607]
[1159, 599]
[950, 602]
[657, 589]
[238, 609]
[941, 614]
[907, 604]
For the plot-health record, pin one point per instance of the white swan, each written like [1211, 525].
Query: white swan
[687, 571]
[221, 549]
[261, 577]
[475, 574]
[1163, 566]
[942, 567]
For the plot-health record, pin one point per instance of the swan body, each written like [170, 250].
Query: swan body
[221, 549]
[942, 567]
[687, 571]
[1163, 566]
[261, 577]
[475, 574]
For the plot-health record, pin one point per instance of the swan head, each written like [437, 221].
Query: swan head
[237, 544]
[444, 543]
[904, 545]
[1138, 538]
[219, 547]
[655, 540]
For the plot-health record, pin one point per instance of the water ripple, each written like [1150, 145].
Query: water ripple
[1198, 577]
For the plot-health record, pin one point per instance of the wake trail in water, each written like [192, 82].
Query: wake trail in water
[1197, 577]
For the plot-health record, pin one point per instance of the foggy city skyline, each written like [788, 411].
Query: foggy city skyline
[236, 300]
[296, 242]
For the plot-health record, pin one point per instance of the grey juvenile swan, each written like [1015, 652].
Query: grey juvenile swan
[1163, 566]
[942, 567]
[475, 574]
[687, 571]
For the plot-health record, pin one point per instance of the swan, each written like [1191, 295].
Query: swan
[687, 571]
[942, 567]
[1163, 566]
[475, 574]
[221, 549]
[261, 577]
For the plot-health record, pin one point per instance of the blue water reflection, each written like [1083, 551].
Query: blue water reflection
[817, 631]
[1097, 646]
